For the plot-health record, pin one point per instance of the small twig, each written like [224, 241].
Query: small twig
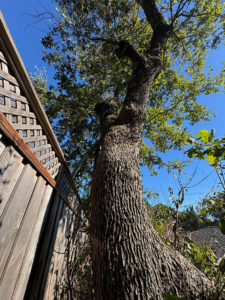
[221, 181]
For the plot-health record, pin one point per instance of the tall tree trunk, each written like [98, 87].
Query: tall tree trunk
[129, 259]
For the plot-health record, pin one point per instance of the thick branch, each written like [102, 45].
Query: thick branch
[158, 23]
[153, 15]
[125, 49]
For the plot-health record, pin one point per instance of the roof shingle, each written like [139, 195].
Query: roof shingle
[211, 236]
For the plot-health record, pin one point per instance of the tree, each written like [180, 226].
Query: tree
[129, 259]
[191, 221]
[81, 46]
[213, 150]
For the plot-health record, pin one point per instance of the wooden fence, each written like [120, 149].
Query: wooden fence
[36, 189]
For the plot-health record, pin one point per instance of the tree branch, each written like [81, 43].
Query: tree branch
[153, 15]
[125, 49]
[161, 28]
[179, 9]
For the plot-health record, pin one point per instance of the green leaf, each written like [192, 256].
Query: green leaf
[211, 159]
[203, 135]
[211, 135]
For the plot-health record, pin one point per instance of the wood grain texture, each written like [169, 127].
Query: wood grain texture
[40, 147]
[18, 251]
[26, 126]
[51, 246]
[57, 275]
[2, 146]
[12, 216]
[10, 94]
[11, 167]
[17, 112]
[2, 57]
[41, 266]
[25, 270]
[35, 139]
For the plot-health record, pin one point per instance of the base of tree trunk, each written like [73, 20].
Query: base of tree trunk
[130, 261]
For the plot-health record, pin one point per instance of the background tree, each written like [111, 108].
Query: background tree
[191, 220]
[165, 54]
[206, 146]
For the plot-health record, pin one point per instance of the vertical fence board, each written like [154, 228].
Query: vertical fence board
[19, 250]
[10, 169]
[14, 214]
[45, 251]
[58, 260]
[32, 246]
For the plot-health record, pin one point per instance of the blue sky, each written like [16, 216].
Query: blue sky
[27, 36]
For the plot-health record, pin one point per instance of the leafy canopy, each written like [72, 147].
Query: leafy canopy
[80, 45]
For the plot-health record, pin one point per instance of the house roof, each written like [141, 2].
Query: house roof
[211, 236]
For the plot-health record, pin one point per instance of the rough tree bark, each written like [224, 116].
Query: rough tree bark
[129, 259]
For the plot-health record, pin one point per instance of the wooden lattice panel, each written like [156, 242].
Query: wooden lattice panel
[15, 106]
[66, 190]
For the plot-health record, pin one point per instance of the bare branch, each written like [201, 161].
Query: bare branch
[181, 6]
[39, 18]
[171, 9]
[221, 181]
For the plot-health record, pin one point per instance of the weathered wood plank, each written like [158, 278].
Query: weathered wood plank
[2, 57]
[52, 168]
[55, 170]
[12, 215]
[8, 77]
[35, 138]
[17, 112]
[26, 127]
[6, 84]
[50, 163]
[2, 145]
[11, 167]
[32, 246]
[13, 95]
[42, 148]
[57, 274]
[18, 252]
[52, 244]
[45, 156]
[4, 66]
[42, 264]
